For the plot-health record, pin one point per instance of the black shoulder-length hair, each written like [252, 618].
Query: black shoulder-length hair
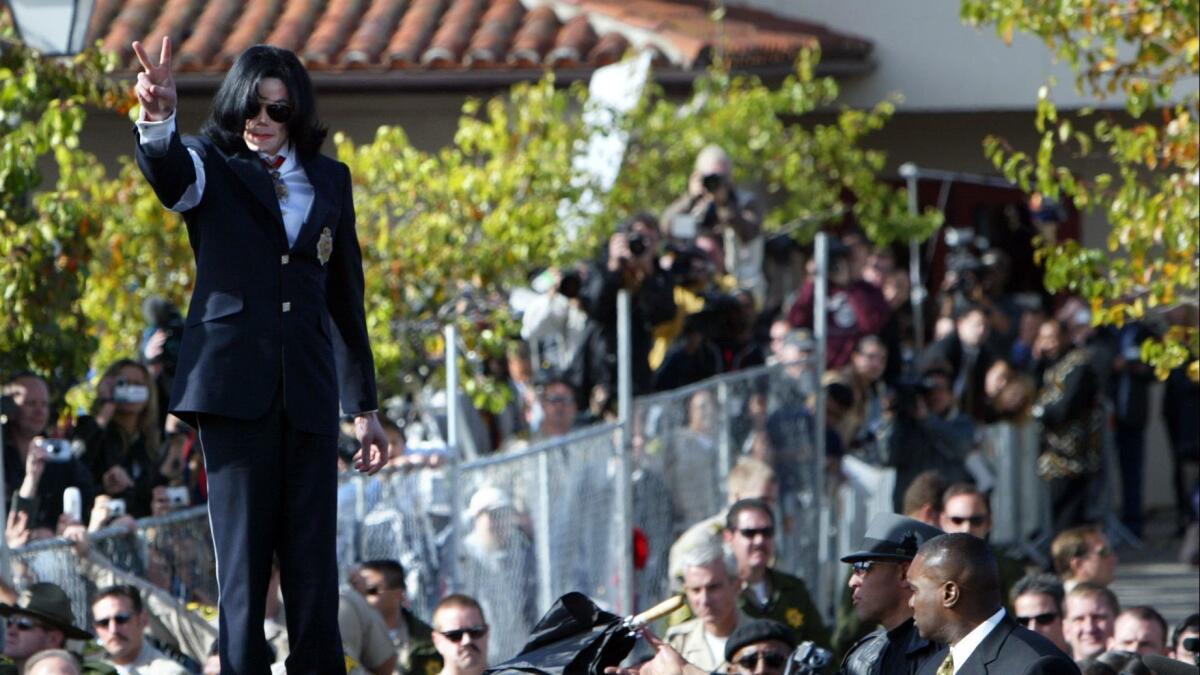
[239, 91]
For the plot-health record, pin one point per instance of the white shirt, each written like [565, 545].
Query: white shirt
[967, 646]
[150, 661]
[155, 136]
[716, 645]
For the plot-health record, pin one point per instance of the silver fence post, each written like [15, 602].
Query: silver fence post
[450, 577]
[725, 440]
[824, 558]
[624, 492]
[5, 568]
[911, 175]
[542, 536]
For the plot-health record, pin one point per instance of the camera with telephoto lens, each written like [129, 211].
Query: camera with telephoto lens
[712, 182]
[808, 659]
[637, 244]
[570, 284]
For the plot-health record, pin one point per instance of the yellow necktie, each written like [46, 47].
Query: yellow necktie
[947, 667]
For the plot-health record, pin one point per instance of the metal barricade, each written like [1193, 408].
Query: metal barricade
[173, 553]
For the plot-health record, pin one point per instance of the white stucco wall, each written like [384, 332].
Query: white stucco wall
[925, 52]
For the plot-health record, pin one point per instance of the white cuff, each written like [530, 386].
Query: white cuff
[154, 136]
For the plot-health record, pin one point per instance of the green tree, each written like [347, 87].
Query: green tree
[1148, 52]
[449, 233]
[445, 234]
[45, 233]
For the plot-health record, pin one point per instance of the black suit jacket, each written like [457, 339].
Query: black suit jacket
[1010, 650]
[264, 315]
[949, 352]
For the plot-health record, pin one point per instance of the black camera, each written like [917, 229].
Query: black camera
[906, 392]
[808, 659]
[162, 314]
[570, 284]
[637, 244]
[712, 182]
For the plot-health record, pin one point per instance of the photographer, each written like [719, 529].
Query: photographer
[160, 346]
[556, 313]
[631, 264]
[968, 356]
[714, 204]
[912, 440]
[122, 437]
[38, 469]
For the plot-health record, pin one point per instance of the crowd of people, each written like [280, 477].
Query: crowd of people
[711, 293]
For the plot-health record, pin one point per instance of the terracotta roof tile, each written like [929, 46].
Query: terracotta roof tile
[378, 36]
[450, 40]
[295, 25]
[572, 44]
[609, 49]
[535, 37]
[331, 34]
[212, 29]
[416, 29]
[249, 30]
[376, 27]
[495, 33]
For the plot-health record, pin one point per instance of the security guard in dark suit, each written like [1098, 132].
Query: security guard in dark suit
[275, 336]
[880, 596]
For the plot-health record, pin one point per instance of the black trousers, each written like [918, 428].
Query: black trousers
[273, 490]
[1069, 501]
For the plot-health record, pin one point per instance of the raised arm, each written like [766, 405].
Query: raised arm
[161, 155]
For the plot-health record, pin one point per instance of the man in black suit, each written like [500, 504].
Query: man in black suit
[275, 336]
[956, 601]
[966, 354]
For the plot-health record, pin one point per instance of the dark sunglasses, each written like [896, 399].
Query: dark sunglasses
[1040, 619]
[280, 112]
[457, 634]
[864, 566]
[973, 520]
[23, 623]
[120, 619]
[750, 533]
[772, 659]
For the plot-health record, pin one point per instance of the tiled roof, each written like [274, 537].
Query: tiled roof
[389, 36]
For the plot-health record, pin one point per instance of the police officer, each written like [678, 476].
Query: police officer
[768, 593]
[880, 596]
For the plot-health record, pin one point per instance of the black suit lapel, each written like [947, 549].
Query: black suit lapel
[324, 197]
[980, 661]
[248, 168]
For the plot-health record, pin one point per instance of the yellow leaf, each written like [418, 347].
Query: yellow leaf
[1149, 23]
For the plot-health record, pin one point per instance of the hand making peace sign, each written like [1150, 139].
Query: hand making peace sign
[155, 86]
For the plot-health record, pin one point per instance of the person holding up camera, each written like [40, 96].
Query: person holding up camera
[37, 469]
[714, 204]
[632, 265]
[121, 437]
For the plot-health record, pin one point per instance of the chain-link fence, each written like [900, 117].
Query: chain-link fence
[687, 440]
[519, 529]
[169, 557]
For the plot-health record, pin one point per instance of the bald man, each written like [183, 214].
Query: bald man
[956, 601]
